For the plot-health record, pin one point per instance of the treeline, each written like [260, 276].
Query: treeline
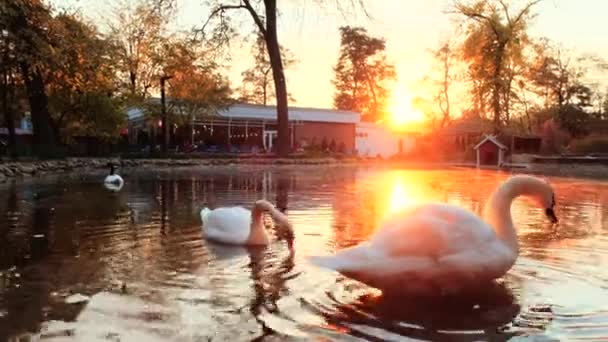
[491, 68]
[77, 81]
[519, 82]
[76, 78]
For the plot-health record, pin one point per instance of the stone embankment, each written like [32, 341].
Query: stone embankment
[21, 169]
[34, 168]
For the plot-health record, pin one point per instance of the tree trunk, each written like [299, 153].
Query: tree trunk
[496, 93]
[9, 119]
[274, 54]
[163, 108]
[44, 139]
[132, 79]
[446, 86]
[507, 94]
[265, 91]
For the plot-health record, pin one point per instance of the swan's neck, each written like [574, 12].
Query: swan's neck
[498, 209]
[258, 234]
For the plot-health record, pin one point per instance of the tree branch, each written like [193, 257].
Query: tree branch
[506, 9]
[525, 10]
[218, 10]
[255, 16]
[469, 13]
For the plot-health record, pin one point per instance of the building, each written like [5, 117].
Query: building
[247, 128]
[374, 139]
[461, 134]
[23, 132]
[461, 137]
[490, 151]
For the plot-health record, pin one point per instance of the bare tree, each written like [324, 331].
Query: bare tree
[257, 84]
[443, 56]
[264, 15]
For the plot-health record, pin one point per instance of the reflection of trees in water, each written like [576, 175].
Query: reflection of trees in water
[282, 191]
[581, 209]
[216, 189]
[116, 236]
[8, 223]
[40, 271]
[269, 278]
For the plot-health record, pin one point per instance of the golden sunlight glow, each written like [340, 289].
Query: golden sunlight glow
[399, 198]
[403, 112]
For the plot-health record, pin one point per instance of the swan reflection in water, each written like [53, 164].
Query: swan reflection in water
[268, 275]
[472, 316]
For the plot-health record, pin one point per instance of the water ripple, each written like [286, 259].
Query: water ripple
[140, 257]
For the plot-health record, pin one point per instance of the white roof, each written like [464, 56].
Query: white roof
[135, 113]
[250, 111]
[493, 139]
[18, 131]
[367, 124]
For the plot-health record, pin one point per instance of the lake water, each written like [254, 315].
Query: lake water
[139, 256]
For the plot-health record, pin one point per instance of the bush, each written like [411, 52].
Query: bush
[324, 144]
[332, 145]
[314, 146]
[590, 144]
[554, 138]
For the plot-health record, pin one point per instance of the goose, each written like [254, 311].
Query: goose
[113, 182]
[240, 226]
[441, 247]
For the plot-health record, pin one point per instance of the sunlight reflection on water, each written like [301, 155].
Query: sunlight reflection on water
[140, 256]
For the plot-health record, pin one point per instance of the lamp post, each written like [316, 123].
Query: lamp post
[163, 109]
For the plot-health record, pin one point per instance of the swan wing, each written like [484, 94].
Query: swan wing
[413, 240]
[440, 243]
[432, 230]
[227, 225]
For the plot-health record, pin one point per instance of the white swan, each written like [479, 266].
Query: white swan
[240, 226]
[113, 182]
[440, 246]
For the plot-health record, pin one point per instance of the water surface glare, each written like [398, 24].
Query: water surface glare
[139, 257]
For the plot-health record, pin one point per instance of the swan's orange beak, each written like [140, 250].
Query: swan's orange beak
[551, 215]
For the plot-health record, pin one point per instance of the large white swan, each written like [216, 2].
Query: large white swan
[113, 182]
[240, 226]
[440, 246]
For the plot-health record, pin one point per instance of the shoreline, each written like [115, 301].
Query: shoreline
[31, 169]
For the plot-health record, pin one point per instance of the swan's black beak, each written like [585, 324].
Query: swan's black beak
[551, 215]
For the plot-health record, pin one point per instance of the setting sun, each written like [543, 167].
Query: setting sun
[402, 112]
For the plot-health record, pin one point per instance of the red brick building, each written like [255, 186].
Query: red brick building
[246, 127]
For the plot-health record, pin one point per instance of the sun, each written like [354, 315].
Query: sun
[402, 112]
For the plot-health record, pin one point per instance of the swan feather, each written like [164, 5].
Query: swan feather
[230, 225]
[423, 244]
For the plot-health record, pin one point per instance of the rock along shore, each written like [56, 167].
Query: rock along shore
[20, 169]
